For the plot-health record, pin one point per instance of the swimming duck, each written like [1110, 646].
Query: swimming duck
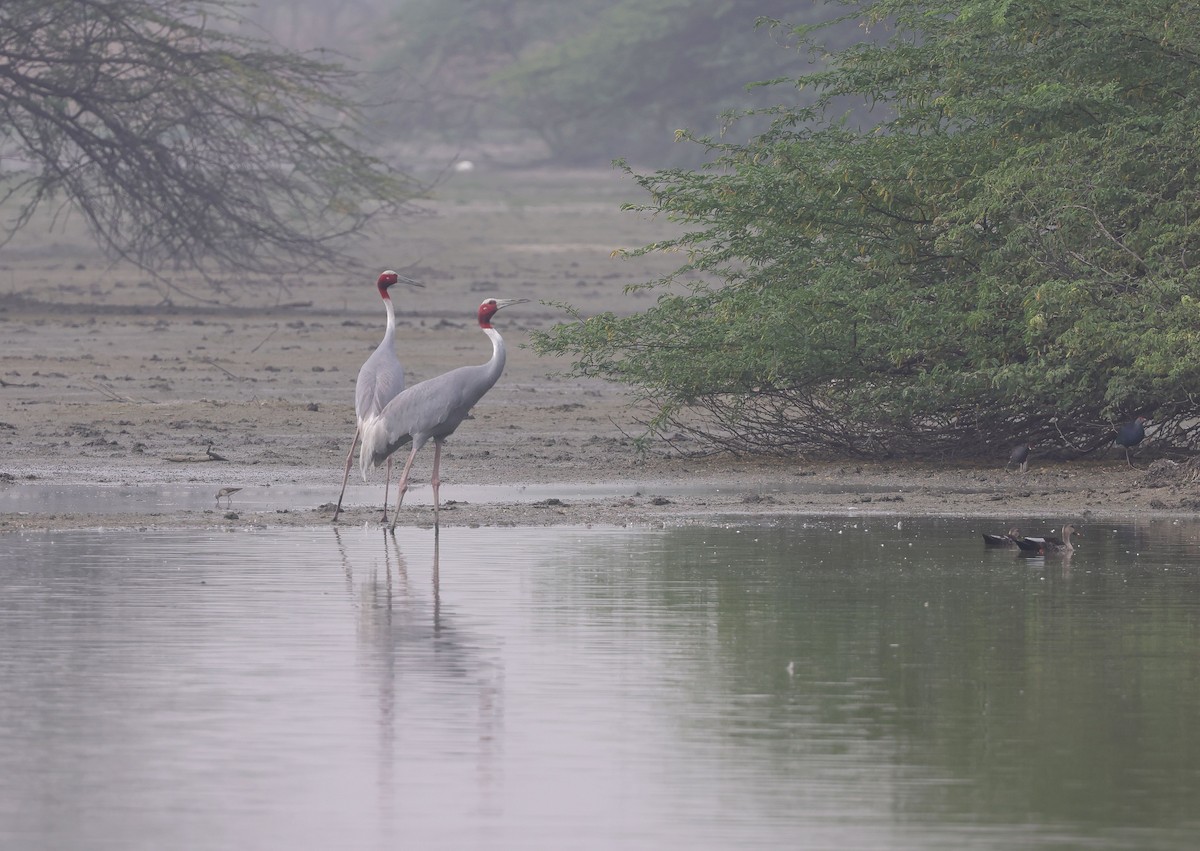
[1050, 544]
[1006, 540]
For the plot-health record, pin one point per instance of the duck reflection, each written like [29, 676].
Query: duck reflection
[427, 668]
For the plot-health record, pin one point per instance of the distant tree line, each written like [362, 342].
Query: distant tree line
[591, 80]
[185, 137]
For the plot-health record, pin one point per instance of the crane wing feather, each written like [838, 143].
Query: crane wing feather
[428, 409]
[380, 380]
[432, 408]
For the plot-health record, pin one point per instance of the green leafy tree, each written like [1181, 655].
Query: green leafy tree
[1011, 252]
[181, 142]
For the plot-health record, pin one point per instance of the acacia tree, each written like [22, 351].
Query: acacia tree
[1010, 253]
[179, 140]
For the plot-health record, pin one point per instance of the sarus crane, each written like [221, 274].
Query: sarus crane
[433, 409]
[380, 379]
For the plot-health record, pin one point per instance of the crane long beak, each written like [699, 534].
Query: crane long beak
[507, 302]
[412, 282]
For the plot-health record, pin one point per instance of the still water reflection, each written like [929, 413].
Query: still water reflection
[818, 684]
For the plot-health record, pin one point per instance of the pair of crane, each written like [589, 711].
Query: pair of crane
[390, 415]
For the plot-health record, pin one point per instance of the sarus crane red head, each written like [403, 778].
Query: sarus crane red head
[489, 307]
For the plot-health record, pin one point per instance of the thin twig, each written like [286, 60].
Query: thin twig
[264, 340]
[109, 392]
[223, 369]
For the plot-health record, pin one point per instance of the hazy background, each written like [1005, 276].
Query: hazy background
[547, 82]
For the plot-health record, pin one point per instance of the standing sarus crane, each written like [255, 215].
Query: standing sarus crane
[380, 379]
[433, 409]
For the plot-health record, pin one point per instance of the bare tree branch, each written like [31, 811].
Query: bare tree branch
[181, 142]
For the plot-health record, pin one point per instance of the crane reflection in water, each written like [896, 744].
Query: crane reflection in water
[411, 644]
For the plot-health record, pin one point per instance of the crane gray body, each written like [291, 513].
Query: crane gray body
[380, 379]
[432, 409]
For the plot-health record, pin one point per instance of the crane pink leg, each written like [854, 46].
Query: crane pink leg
[346, 476]
[435, 480]
[402, 488]
[386, 484]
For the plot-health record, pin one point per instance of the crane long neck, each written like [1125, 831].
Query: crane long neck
[495, 366]
[390, 331]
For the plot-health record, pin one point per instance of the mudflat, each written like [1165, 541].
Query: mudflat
[108, 377]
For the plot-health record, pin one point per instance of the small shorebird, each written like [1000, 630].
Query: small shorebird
[227, 493]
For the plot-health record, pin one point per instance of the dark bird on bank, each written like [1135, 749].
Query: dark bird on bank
[1130, 435]
[1050, 544]
[433, 409]
[1019, 456]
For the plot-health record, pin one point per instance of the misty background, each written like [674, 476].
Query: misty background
[545, 82]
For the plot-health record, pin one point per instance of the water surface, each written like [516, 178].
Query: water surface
[849, 683]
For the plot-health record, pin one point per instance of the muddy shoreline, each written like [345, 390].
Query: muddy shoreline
[646, 493]
[103, 382]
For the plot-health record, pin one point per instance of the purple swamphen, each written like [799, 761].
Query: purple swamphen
[1130, 435]
[1019, 456]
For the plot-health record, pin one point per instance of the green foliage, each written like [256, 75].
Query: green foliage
[1010, 253]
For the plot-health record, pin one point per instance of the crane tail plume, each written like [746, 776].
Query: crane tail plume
[379, 441]
[374, 442]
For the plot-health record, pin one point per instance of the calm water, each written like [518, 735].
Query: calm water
[811, 685]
